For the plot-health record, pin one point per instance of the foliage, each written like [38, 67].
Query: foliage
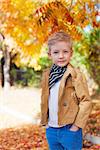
[44, 62]
[89, 49]
[78, 60]
[31, 24]
[25, 77]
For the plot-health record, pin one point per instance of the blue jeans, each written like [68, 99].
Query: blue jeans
[64, 139]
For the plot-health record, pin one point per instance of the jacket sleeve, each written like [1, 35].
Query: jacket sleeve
[42, 89]
[43, 104]
[85, 103]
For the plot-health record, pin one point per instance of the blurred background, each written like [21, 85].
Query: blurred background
[24, 29]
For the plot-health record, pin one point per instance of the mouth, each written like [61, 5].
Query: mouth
[61, 61]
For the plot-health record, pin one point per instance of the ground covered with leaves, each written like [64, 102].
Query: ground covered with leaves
[32, 137]
[29, 137]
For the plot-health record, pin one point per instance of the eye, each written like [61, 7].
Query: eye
[65, 51]
[55, 52]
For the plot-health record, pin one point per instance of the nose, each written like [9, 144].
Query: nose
[61, 55]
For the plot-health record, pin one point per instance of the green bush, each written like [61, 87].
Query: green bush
[25, 77]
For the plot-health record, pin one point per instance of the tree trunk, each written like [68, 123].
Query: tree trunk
[2, 72]
[0, 75]
[6, 69]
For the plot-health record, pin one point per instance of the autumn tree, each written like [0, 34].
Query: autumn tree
[31, 24]
[89, 47]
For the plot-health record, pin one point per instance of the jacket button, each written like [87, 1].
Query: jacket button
[64, 104]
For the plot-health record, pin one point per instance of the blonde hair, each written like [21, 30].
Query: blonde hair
[59, 36]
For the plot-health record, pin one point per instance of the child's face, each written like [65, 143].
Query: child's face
[60, 53]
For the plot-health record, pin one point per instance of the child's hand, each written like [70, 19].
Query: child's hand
[74, 128]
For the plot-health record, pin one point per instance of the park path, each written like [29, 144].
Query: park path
[19, 106]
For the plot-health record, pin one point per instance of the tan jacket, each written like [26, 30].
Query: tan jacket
[74, 103]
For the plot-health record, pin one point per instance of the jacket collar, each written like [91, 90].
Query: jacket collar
[70, 71]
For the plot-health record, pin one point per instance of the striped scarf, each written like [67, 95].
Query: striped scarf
[56, 73]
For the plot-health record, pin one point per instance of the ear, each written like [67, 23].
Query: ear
[49, 54]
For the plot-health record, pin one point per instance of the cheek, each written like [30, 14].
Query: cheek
[68, 56]
[54, 58]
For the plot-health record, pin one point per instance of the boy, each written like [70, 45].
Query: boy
[65, 100]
